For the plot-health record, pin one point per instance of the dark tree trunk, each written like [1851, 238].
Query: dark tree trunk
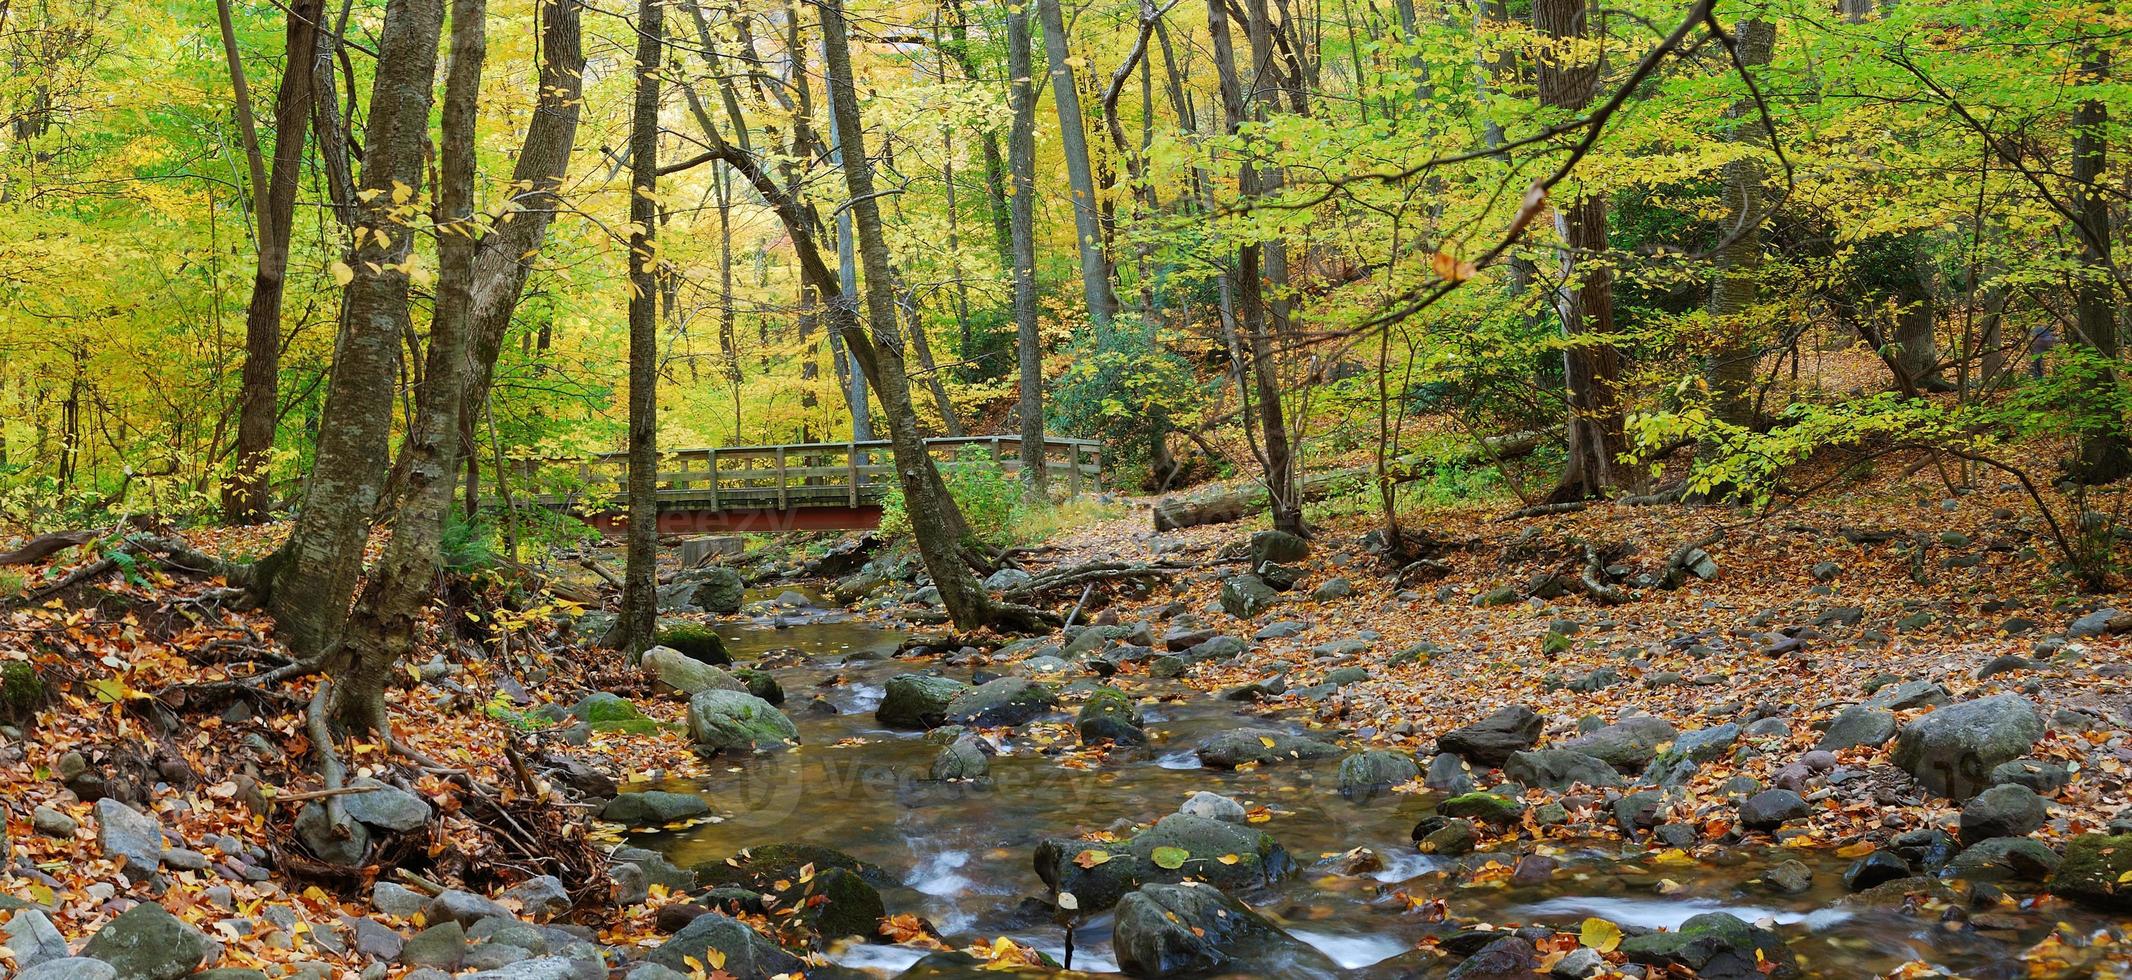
[313, 576]
[245, 495]
[1730, 366]
[1021, 153]
[2104, 455]
[640, 577]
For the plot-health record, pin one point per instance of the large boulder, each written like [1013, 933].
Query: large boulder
[698, 641]
[1165, 930]
[1278, 547]
[1004, 701]
[917, 700]
[720, 720]
[1246, 595]
[1491, 740]
[1177, 847]
[1716, 946]
[747, 955]
[1953, 749]
[678, 672]
[146, 942]
[654, 807]
[33, 938]
[715, 589]
[1365, 776]
[1628, 745]
[1560, 769]
[2096, 871]
[1227, 750]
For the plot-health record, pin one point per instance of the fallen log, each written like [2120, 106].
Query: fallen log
[1220, 505]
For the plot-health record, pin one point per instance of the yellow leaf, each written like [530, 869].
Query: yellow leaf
[342, 275]
[1600, 934]
[1267, 741]
[1448, 267]
[1091, 858]
[1228, 859]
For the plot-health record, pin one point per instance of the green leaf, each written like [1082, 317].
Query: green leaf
[1170, 858]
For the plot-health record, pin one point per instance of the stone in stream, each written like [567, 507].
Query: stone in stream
[1489, 808]
[1872, 870]
[1628, 745]
[1227, 750]
[1170, 930]
[1856, 726]
[1213, 806]
[1245, 595]
[1447, 774]
[1178, 847]
[1953, 750]
[714, 589]
[1109, 715]
[763, 866]
[732, 721]
[1365, 776]
[1560, 769]
[695, 640]
[2094, 870]
[1492, 740]
[2002, 811]
[1508, 958]
[747, 955]
[917, 700]
[762, 684]
[967, 758]
[1001, 702]
[2005, 859]
[1716, 946]
[681, 674]
[654, 807]
[146, 942]
[834, 902]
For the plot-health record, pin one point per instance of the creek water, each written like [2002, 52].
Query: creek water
[962, 855]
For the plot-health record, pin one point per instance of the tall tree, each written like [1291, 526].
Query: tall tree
[2104, 453]
[1021, 161]
[640, 579]
[1080, 177]
[1729, 367]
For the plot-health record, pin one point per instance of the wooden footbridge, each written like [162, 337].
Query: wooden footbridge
[816, 486]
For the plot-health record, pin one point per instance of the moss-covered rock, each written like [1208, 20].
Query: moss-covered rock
[2094, 872]
[696, 640]
[1178, 847]
[722, 721]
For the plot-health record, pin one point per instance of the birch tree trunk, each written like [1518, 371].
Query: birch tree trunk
[1080, 177]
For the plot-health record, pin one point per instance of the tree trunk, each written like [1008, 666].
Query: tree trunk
[245, 495]
[640, 600]
[2104, 455]
[313, 576]
[1585, 300]
[382, 627]
[1730, 366]
[1021, 162]
[1080, 177]
[855, 380]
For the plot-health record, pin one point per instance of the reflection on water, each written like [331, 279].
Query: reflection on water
[961, 854]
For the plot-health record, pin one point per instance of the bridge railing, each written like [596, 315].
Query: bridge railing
[793, 475]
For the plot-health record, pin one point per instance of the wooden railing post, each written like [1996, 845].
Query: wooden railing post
[712, 456]
[781, 494]
[851, 467]
[1073, 469]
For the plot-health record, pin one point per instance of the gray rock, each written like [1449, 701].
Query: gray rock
[1213, 806]
[1005, 701]
[1227, 750]
[130, 837]
[1367, 775]
[1789, 877]
[1705, 744]
[545, 968]
[1628, 745]
[1278, 547]
[678, 672]
[1858, 725]
[1953, 750]
[654, 807]
[442, 946]
[716, 589]
[49, 821]
[396, 900]
[33, 938]
[1560, 769]
[389, 807]
[2100, 622]
[966, 758]
[540, 898]
[917, 700]
[2041, 775]
[463, 907]
[343, 842]
[1246, 595]
[1164, 930]
[1501, 959]
[2005, 859]
[1874, 870]
[1213, 648]
[1771, 808]
[1716, 946]
[1204, 845]
[1583, 961]
[1007, 578]
[748, 956]
[734, 721]
[70, 968]
[146, 942]
[376, 939]
[1332, 588]
[1492, 740]
[1910, 694]
[2002, 811]
[1447, 774]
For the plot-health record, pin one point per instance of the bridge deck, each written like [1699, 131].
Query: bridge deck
[802, 486]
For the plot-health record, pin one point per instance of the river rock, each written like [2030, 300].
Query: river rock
[1508, 958]
[1365, 776]
[2040, 775]
[835, 902]
[1705, 744]
[33, 938]
[748, 956]
[1001, 702]
[1245, 595]
[386, 807]
[2094, 872]
[1332, 588]
[1628, 745]
[1953, 750]
[1492, 740]
[463, 907]
[1447, 774]
[1771, 809]
[682, 674]
[2100, 622]
[1007, 578]
[1213, 806]
[733, 721]
[1227, 750]
[1278, 547]
[1877, 868]
[917, 700]
[966, 758]
[696, 640]
[343, 842]
[1560, 769]
[1097, 875]
[715, 589]
[2006, 859]
[761, 867]
[1856, 726]
[1169, 930]
[1716, 946]
[2002, 811]
[1907, 695]
[130, 837]
[146, 942]
[547, 968]
[1109, 715]
[653, 807]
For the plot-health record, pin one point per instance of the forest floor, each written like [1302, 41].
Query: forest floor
[1889, 588]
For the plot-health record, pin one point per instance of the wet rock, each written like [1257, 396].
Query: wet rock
[834, 903]
[33, 938]
[1717, 946]
[678, 672]
[1533, 870]
[385, 807]
[540, 898]
[696, 640]
[1227, 750]
[747, 955]
[1448, 837]
[763, 866]
[1628, 745]
[1789, 877]
[1109, 715]
[1771, 809]
[2002, 811]
[1858, 725]
[1264, 690]
[1367, 775]
[1953, 750]
[1560, 769]
[1877, 868]
[1508, 958]
[1213, 806]
[1447, 774]
[762, 684]
[714, 589]
[1489, 808]
[1927, 849]
[547, 968]
[69, 968]
[1583, 961]
[733, 721]
[966, 758]
[1099, 875]
[130, 837]
[1168, 930]
[917, 700]
[2006, 859]
[146, 942]
[2042, 776]
[1638, 811]
[1005, 701]
[1492, 740]
[1246, 595]
[2093, 872]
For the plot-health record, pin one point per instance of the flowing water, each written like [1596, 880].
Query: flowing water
[961, 854]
